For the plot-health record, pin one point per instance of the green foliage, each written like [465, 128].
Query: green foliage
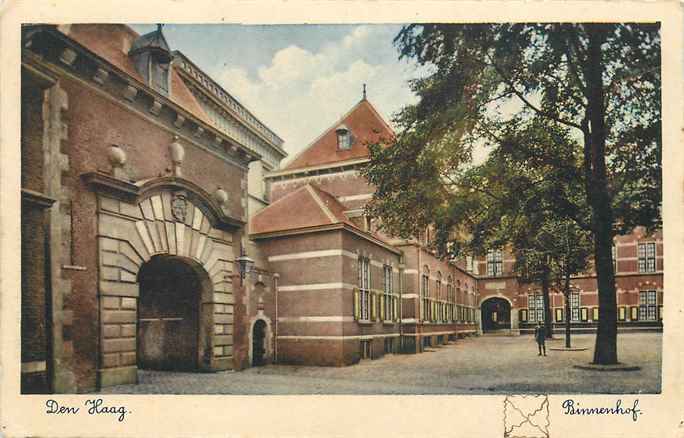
[521, 91]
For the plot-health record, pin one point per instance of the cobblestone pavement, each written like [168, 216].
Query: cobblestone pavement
[478, 365]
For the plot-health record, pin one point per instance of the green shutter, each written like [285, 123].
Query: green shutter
[396, 308]
[372, 304]
[383, 297]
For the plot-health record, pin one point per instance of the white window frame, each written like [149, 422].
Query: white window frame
[495, 263]
[646, 256]
[364, 288]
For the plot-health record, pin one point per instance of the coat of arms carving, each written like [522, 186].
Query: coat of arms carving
[179, 207]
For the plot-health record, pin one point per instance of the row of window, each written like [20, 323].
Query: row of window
[440, 311]
[370, 305]
[646, 259]
[647, 310]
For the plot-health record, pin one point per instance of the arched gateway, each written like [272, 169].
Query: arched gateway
[496, 314]
[166, 280]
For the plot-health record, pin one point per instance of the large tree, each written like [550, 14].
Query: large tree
[598, 84]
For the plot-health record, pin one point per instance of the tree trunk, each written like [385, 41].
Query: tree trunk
[605, 350]
[548, 322]
[568, 310]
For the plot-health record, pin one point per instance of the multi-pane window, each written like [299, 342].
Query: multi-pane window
[364, 288]
[574, 305]
[438, 296]
[614, 256]
[451, 299]
[536, 307]
[494, 262]
[648, 309]
[425, 294]
[647, 257]
[388, 295]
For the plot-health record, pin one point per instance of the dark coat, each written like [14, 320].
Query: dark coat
[540, 334]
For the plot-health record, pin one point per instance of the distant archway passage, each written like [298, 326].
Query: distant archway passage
[496, 314]
[168, 315]
[258, 343]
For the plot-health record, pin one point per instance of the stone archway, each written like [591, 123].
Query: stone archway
[172, 323]
[170, 219]
[495, 314]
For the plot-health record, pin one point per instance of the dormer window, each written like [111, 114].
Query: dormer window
[152, 58]
[344, 140]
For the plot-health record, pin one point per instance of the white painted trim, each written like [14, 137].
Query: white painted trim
[409, 320]
[341, 338]
[312, 254]
[314, 286]
[316, 319]
[409, 295]
[34, 367]
[410, 271]
[361, 197]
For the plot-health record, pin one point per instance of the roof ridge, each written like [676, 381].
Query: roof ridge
[314, 193]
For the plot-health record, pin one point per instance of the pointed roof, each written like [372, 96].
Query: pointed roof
[364, 123]
[306, 207]
[151, 41]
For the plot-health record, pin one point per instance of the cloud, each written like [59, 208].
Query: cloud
[301, 93]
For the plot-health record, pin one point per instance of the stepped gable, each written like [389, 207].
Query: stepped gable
[305, 207]
[112, 43]
[366, 126]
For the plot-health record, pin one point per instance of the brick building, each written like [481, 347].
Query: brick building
[346, 291]
[135, 169]
[144, 184]
[638, 262]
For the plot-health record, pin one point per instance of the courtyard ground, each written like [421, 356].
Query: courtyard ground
[477, 365]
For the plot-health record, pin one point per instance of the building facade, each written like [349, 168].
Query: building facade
[135, 197]
[147, 190]
[509, 303]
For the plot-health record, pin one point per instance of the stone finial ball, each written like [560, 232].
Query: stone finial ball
[177, 151]
[117, 156]
[221, 196]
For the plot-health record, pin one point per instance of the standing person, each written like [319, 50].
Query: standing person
[540, 337]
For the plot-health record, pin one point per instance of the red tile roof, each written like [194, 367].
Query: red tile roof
[112, 42]
[305, 207]
[366, 126]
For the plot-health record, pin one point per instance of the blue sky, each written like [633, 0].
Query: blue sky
[299, 79]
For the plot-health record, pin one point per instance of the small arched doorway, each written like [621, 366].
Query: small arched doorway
[168, 315]
[259, 343]
[496, 314]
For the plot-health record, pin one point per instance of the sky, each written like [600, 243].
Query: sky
[299, 79]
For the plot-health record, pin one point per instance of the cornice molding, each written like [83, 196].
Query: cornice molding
[37, 199]
[106, 77]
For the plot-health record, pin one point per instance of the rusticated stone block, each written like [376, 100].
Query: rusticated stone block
[118, 376]
[117, 345]
[128, 303]
[128, 358]
[119, 316]
[110, 360]
[111, 331]
[127, 330]
[110, 302]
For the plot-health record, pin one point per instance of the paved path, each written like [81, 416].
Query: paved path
[478, 365]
